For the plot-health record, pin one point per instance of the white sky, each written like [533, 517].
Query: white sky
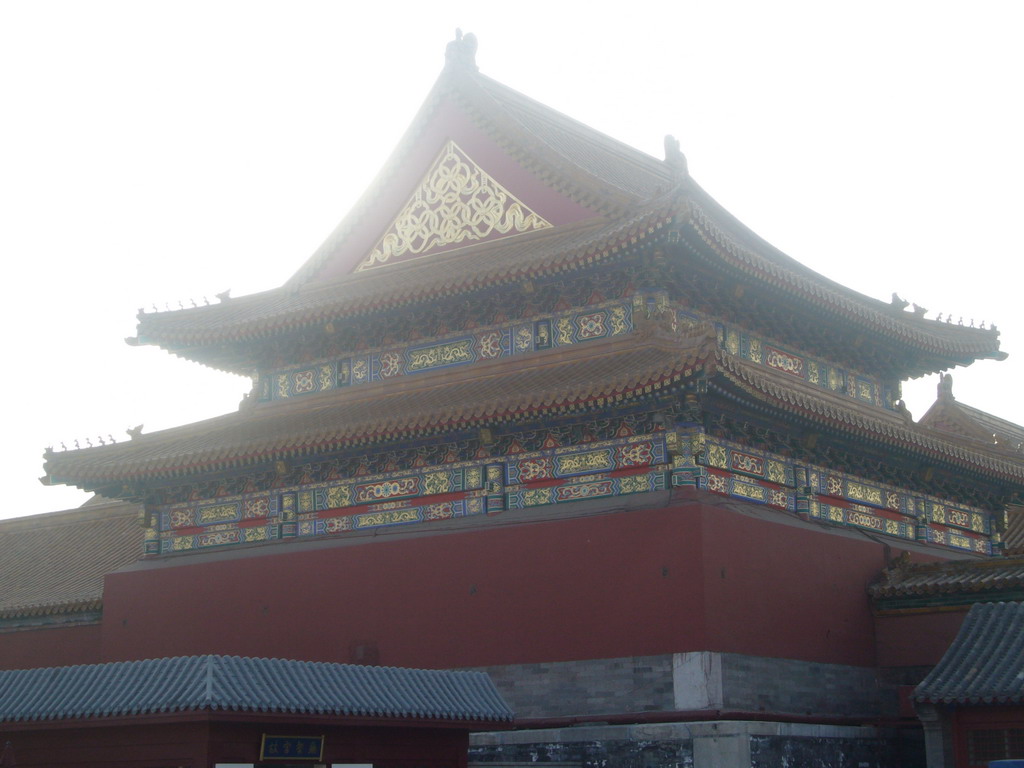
[152, 152]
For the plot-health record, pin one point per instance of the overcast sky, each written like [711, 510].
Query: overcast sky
[157, 152]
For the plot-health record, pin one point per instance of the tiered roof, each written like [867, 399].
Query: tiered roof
[602, 203]
[545, 383]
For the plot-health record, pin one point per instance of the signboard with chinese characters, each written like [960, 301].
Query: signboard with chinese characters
[292, 748]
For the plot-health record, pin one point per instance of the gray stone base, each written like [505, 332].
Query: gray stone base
[612, 746]
[697, 680]
[712, 744]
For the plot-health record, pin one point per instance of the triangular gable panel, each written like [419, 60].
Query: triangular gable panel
[456, 203]
[445, 151]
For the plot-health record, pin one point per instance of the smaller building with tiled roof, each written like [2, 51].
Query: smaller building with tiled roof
[985, 664]
[205, 710]
[972, 703]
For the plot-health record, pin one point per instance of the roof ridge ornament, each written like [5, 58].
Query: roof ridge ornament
[460, 53]
[945, 388]
[674, 158]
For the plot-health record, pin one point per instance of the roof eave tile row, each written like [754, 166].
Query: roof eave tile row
[950, 577]
[56, 608]
[557, 381]
[524, 257]
[236, 684]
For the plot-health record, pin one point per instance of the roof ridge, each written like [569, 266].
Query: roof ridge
[545, 112]
[766, 258]
[63, 518]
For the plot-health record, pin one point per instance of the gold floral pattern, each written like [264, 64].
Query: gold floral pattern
[456, 202]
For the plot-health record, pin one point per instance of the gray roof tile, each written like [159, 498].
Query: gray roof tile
[232, 683]
[950, 577]
[985, 664]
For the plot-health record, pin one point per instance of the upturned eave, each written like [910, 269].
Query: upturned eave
[597, 375]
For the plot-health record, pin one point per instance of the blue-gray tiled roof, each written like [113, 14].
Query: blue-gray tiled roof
[985, 664]
[231, 683]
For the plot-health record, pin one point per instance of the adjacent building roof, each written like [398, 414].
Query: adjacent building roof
[235, 684]
[952, 417]
[985, 664]
[906, 585]
[54, 564]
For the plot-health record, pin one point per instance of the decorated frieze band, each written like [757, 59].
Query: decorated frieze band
[587, 487]
[605, 468]
[674, 458]
[730, 469]
[386, 515]
[859, 516]
[937, 534]
[747, 461]
[599, 321]
[614, 318]
[860, 387]
[604, 456]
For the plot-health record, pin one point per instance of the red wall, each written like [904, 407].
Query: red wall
[688, 577]
[917, 639]
[583, 588]
[98, 745]
[779, 590]
[56, 647]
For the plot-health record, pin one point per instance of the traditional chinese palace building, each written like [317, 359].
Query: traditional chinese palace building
[541, 407]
